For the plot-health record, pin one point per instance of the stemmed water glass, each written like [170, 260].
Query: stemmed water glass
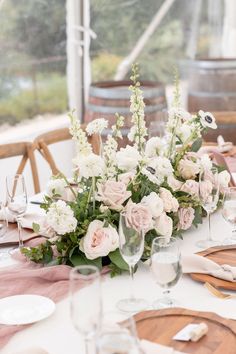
[16, 201]
[85, 303]
[131, 245]
[166, 268]
[209, 197]
[117, 335]
[229, 213]
[3, 230]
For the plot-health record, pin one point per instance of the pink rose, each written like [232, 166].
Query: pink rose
[126, 177]
[164, 226]
[186, 216]
[191, 187]
[138, 216]
[99, 241]
[113, 194]
[205, 189]
[170, 202]
[174, 184]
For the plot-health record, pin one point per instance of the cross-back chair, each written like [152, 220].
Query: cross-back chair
[26, 150]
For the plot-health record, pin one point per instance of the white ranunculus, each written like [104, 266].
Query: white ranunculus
[56, 186]
[99, 241]
[153, 147]
[223, 179]
[96, 126]
[128, 158]
[206, 162]
[164, 225]
[207, 120]
[154, 203]
[174, 184]
[90, 166]
[60, 217]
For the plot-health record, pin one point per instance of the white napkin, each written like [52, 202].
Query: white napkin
[154, 348]
[33, 350]
[198, 264]
[26, 221]
[223, 145]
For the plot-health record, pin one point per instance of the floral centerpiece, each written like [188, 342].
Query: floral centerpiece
[155, 181]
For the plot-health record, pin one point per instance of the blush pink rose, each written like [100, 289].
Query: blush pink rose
[188, 169]
[164, 226]
[126, 177]
[186, 217]
[113, 194]
[170, 202]
[138, 216]
[191, 187]
[205, 189]
[174, 184]
[99, 241]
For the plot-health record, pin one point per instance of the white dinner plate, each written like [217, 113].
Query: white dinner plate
[25, 309]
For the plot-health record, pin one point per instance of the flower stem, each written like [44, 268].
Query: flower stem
[93, 191]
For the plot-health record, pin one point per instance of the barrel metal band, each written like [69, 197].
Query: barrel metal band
[212, 94]
[123, 110]
[124, 93]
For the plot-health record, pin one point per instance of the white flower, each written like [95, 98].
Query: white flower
[82, 145]
[128, 158]
[154, 147]
[99, 241]
[188, 169]
[56, 186]
[184, 132]
[180, 112]
[170, 203]
[164, 225]
[207, 120]
[223, 179]
[60, 217]
[154, 203]
[174, 184]
[205, 162]
[96, 126]
[150, 174]
[161, 165]
[89, 166]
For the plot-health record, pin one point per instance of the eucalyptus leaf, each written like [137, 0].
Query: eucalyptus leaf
[196, 145]
[80, 259]
[117, 259]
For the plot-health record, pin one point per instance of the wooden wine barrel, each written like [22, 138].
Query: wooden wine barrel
[109, 97]
[212, 85]
[226, 126]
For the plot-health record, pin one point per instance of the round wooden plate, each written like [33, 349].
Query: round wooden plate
[220, 255]
[11, 238]
[160, 327]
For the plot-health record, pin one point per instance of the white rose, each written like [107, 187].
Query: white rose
[154, 203]
[174, 184]
[153, 147]
[60, 217]
[164, 226]
[99, 241]
[128, 158]
[206, 162]
[170, 202]
[56, 186]
[223, 179]
[90, 166]
[188, 169]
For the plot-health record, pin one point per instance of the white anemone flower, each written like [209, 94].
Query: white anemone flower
[207, 120]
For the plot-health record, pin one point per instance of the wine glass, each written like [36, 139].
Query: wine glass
[229, 213]
[3, 230]
[131, 245]
[209, 197]
[85, 304]
[17, 201]
[165, 267]
[117, 335]
[156, 128]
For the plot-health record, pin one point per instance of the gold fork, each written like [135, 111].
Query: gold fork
[218, 293]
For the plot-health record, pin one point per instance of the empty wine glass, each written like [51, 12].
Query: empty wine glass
[209, 197]
[131, 245]
[17, 201]
[156, 128]
[117, 335]
[85, 303]
[229, 213]
[165, 267]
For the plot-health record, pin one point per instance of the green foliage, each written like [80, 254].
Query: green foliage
[40, 254]
[117, 259]
[196, 145]
[80, 259]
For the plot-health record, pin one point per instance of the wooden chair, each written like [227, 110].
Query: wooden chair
[26, 150]
[42, 142]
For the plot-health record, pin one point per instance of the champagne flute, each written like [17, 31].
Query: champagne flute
[85, 303]
[117, 335]
[3, 230]
[17, 201]
[131, 245]
[166, 268]
[209, 197]
[229, 213]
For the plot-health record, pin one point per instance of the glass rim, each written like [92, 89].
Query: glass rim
[95, 273]
[174, 239]
[15, 175]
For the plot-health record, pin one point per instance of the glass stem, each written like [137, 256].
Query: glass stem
[131, 271]
[234, 234]
[20, 233]
[209, 226]
[86, 342]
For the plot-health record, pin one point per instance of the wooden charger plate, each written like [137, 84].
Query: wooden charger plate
[160, 327]
[220, 255]
[11, 237]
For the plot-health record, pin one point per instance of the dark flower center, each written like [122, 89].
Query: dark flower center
[151, 170]
[208, 119]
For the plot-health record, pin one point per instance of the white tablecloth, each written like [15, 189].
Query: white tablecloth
[57, 335]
